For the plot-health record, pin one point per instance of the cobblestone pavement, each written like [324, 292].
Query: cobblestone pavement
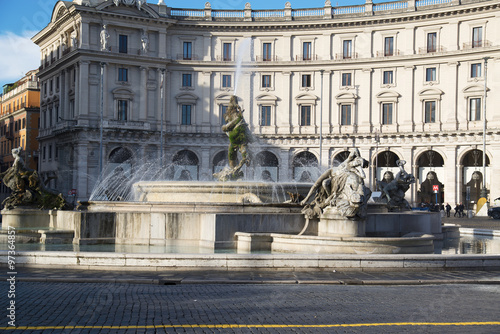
[43, 307]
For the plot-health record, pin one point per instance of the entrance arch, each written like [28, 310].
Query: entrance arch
[305, 167]
[185, 166]
[430, 174]
[473, 179]
[266, 166]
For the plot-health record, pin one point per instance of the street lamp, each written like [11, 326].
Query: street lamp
[161, 117]
[377, 139]
[101, 119]
[484, 192]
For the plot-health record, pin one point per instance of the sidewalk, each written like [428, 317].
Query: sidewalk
[475, 222]
[174, 277]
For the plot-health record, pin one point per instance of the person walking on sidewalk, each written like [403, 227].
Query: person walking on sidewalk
[457, 210]
[448, 209]
[461, 208]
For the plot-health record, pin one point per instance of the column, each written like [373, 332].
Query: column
[62, 94]
[406, 104]
[108, 109]
[143, 96]
[205, 168]
[451, 182]
[287, 109]
[83, 88]
[449, 107]
[205, 105]
[66, 84]
[285, 173]
[207, 41]
[77, 91]
[162, 47]
[84, 35]
[82, 171]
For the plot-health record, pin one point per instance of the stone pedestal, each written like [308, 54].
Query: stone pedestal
[332, 224]
[25, 218]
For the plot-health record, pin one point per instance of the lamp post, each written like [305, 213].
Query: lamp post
[377, 139]
[101, 120]
[161, 117]
[321, 123]
[484, 191]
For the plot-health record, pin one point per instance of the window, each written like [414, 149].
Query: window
[265, 119]
[432, 42]
[122, 44]
[43, 153]
[387, 113]
[187, 50]
[306, 51]
[226, 55]
[475, 109]
[50, 151]
[389, 46]
[388, 78]
[306, 80]
[345, 114]
[57, 115]
[305, 115]
[226, 81]
[266, 81]
[223, 109]
[57, 83]
[347, 49]
[186, 80]
[475, 70]
[430, 74]
[122, 74]
[266, 52]
[346, 79]
[51, 85]
[186, 114]
[430, 111]
[122, 110]
[477, 37]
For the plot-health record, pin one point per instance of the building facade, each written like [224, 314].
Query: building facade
[19, 122]
[126, 81]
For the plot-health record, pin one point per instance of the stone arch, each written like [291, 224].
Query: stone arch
[430, 173]
[305, 167]
[266, 166]
[186, 165]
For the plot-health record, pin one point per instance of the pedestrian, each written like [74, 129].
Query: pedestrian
[461, 210]
[457, 210]
[448, 209]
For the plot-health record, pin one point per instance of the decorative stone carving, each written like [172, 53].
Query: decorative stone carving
[239, 136]
[27, 187]
[104, 38]
[340, 191]
[144, 42]
[394, 188]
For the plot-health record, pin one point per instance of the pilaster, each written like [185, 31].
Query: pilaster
[143, 95]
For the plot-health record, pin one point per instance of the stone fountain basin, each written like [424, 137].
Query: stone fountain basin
[216, 192]
[415, 243]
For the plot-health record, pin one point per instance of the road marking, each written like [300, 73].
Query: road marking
[473, 323]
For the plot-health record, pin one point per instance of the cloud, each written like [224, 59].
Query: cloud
[19, 55]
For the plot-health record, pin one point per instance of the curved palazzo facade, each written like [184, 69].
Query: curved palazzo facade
[409, 80]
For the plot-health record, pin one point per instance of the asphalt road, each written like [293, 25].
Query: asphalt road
[48, 307]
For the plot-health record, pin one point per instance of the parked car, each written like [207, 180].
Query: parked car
[494, 212]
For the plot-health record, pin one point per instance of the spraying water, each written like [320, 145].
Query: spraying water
[242, 54]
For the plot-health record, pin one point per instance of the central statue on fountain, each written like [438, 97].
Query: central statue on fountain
[239, 136]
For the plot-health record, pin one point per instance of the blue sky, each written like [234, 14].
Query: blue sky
[21, 19]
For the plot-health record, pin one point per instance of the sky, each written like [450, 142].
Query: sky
[22, 19]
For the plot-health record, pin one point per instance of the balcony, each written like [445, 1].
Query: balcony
[476, 44]
[432, 49]
[388, 53]
[181, 56]
[344, 56]
[306, 58]
[126, 125]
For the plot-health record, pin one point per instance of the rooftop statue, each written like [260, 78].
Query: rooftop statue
[239, 136]
[394, 188]
[341, 189]
[27, 188]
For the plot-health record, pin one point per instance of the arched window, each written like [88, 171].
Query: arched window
[305, 167]
[185, 166]
[266, 166]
